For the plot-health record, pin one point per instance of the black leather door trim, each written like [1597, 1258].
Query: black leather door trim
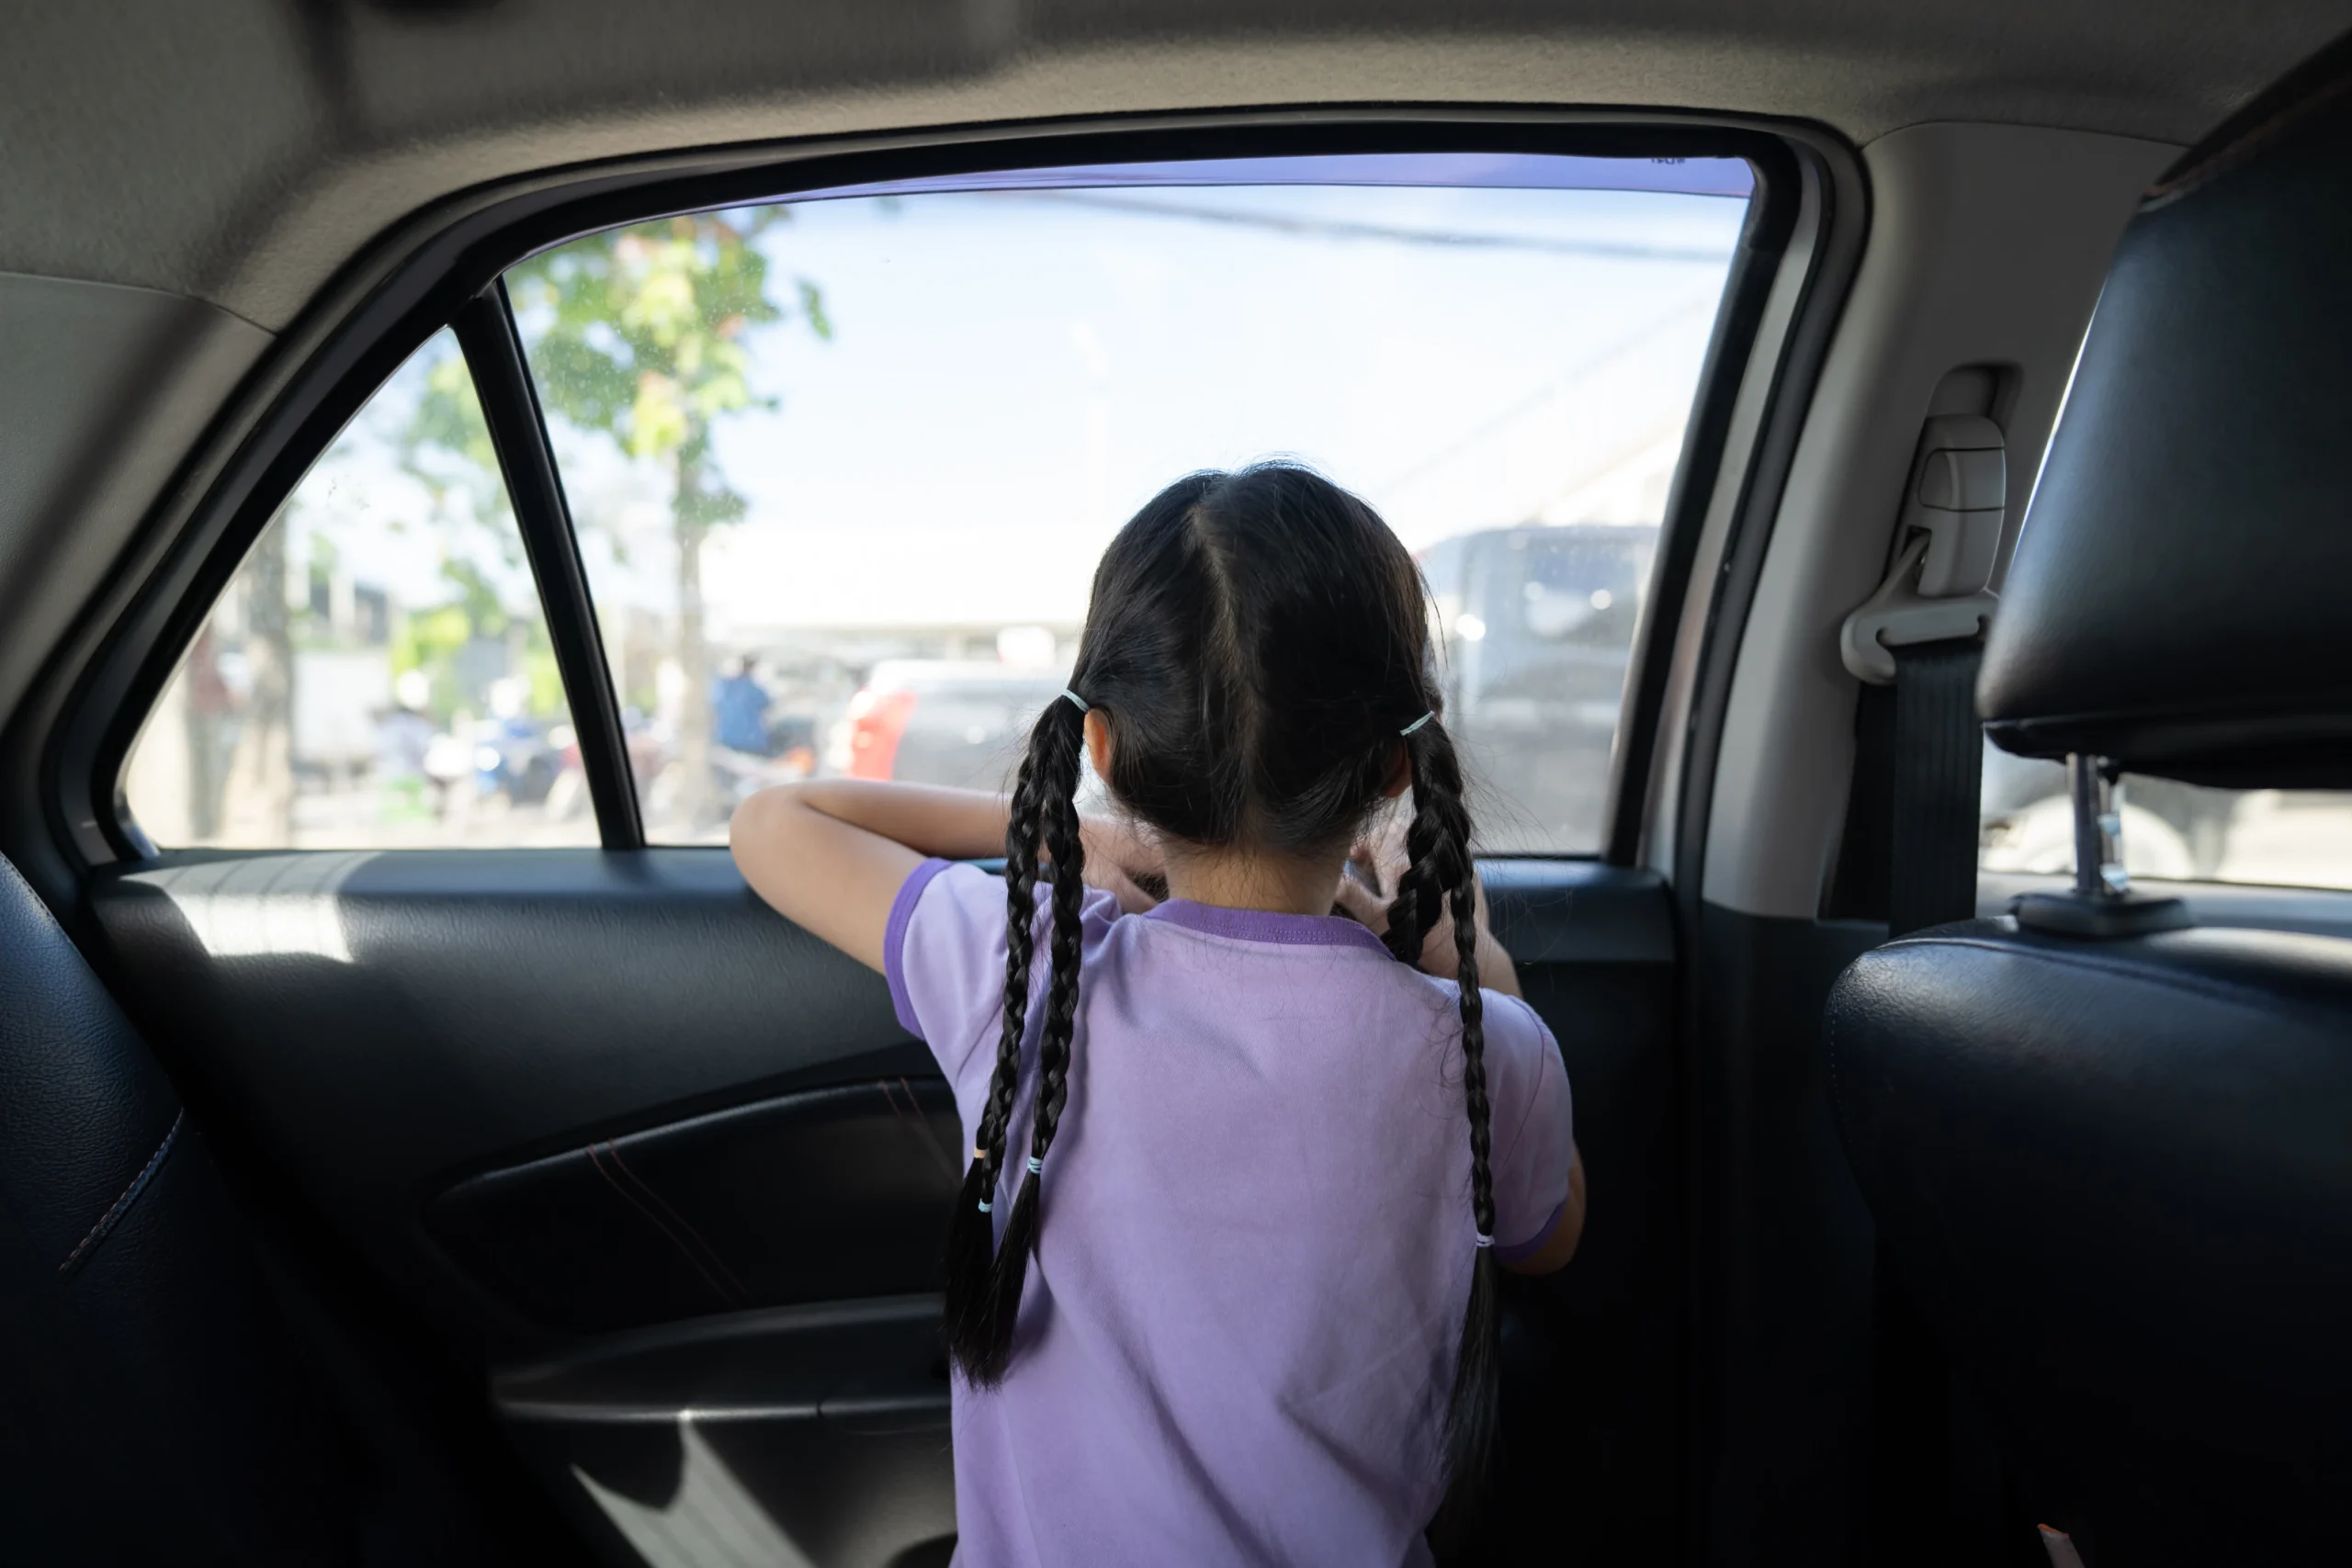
[849, 1359]
[381, 1026]
[830, 1194]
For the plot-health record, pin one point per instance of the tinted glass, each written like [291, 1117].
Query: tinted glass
[843, 466]
[378, 673]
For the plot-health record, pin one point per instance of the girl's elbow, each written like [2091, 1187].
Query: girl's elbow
[1566, 1232]
[1571, 1230]
[760, 822]
[1566, 1236]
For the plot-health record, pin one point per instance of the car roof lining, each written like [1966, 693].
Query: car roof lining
[244, 150]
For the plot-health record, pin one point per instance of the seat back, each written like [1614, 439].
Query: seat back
[148, 1410]
[2114, 1176]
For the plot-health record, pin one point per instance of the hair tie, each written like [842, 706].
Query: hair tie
[1485, 1240]
[1076, 701]
[1418, 722]
[984, 1205]
[1036, 1165]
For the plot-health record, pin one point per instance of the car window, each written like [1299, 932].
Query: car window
[2189, 832]
[378, 673]
[842, 466]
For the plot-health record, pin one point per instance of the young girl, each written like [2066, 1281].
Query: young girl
[1220, 1283]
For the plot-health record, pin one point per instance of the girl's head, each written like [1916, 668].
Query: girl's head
[1258, 653]
[1255, 645]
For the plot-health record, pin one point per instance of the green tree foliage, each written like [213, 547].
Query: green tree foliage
[639, 335]
[447, 448]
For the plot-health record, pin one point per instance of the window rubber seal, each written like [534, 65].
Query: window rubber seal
[518, 432]
[1731, 350]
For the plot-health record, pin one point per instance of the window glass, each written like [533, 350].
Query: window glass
[378, 673]
[843, 466]
[2285, 838]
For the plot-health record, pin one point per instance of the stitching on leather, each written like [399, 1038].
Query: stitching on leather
[2236, 994]
[614, 1149]
[113, 1216]
[672, 1236]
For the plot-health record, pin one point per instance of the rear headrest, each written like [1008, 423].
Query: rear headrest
[2181, 597]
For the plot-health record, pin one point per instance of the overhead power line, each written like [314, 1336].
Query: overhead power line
[1557, 388]
[1336, 228]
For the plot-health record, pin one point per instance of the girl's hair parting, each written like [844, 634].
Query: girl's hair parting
[1260, 643]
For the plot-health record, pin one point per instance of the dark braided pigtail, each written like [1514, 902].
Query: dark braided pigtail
[1440, 871]
[984, 1280]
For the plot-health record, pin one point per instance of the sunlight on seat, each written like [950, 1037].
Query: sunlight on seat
[275, 905]
[712, 1522]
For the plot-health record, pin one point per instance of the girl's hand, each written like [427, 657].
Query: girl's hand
[1117, 857]
[1368, 886]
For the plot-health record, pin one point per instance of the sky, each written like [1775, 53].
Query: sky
[1011, 373]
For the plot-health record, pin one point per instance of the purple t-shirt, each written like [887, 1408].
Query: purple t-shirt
[1255, 1238]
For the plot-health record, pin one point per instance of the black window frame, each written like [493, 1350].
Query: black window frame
[453, 277]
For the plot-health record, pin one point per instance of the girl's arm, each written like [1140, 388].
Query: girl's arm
[1561, 1244]
[830, 854]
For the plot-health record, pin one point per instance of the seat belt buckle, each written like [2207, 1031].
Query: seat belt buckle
[1897, 616]
[1951, 532]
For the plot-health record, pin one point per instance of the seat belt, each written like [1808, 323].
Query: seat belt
[1908, 855]
[1939, 781]
[1922, 632]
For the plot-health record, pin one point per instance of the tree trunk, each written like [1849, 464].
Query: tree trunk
[697, 803]
[205, 703]
[264, 766]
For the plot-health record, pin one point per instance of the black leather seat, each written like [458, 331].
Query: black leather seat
[2115, 1176]
[149, 1412]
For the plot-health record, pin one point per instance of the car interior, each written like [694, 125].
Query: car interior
[1877, 472]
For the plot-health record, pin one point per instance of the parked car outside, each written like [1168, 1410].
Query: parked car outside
[1538, 625]
[941, 721]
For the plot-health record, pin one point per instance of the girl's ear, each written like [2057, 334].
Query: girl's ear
[1098, 743]
[1400, 772]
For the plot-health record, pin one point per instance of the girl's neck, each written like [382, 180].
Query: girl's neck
[1247, 879]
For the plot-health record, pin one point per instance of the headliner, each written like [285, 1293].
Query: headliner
[240, 151]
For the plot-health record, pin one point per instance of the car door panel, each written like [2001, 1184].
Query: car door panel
[670, 1172]
[805, 1434]
[831, 1194]
[385, 1026]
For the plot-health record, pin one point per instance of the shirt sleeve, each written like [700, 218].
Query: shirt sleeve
[1534, 1127]
[943, 953]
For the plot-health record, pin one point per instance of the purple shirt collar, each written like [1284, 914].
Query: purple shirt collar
[1266, 925]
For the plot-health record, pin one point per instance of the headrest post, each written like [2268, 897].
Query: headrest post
[2101, 904]
[2098, 830]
